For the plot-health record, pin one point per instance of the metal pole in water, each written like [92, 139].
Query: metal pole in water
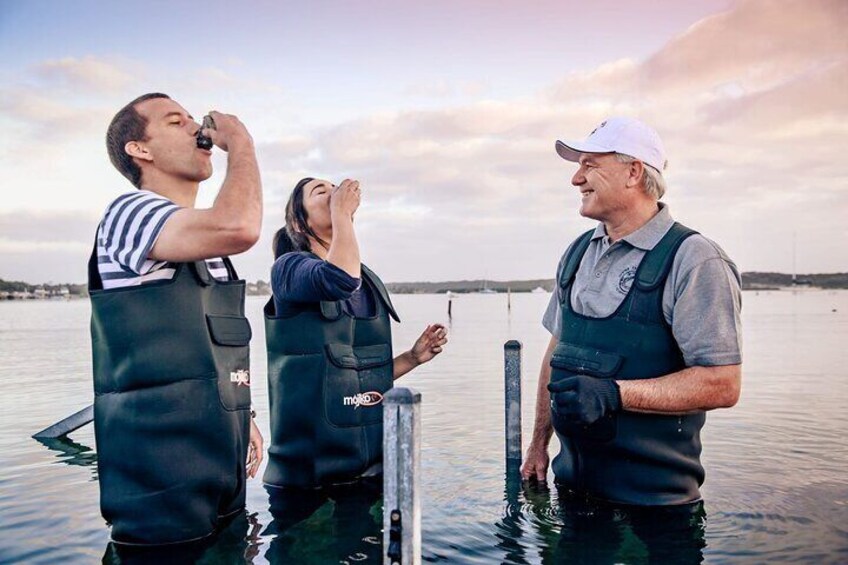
[401, 474]
[512, 402]
[68, 425]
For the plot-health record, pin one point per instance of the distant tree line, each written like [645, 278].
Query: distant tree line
[754, 280]
[750, 281]
[19, 286]
[470, 286]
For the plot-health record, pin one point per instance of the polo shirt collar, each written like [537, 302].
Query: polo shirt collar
[649, 235]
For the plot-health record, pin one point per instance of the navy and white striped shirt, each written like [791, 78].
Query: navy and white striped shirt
[130, 227]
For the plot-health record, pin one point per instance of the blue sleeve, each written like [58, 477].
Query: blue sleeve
[297, 277]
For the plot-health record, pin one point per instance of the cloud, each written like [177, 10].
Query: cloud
[49, 227]
[440, 88]
[46, 246]
[89, 74]
[750, 103]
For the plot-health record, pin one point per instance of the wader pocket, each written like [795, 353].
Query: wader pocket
[231, 338]
[356, 379]
[229, 330]
[568, 360]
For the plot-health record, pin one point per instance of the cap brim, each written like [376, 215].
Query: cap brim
[570, 151]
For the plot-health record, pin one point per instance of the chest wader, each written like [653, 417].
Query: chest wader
[327, 373]
[631, 458]
[171, 417]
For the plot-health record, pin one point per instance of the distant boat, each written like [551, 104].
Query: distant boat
[539, 290]
[486, 289]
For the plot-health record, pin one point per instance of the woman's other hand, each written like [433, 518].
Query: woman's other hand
[429, 344]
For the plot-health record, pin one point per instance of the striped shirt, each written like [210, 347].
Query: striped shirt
[127, 233]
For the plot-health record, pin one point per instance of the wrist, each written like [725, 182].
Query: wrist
[240, 144]
[616, 396]
[337, 215]
[412, 359]
[538, 445]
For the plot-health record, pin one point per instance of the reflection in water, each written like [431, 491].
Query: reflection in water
[237, 542]
[340, 524]
[71, 452]
[598, 532]
[776, 483]
[509, 531]
[574, 529]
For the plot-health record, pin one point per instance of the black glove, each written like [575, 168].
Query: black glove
[584, 399]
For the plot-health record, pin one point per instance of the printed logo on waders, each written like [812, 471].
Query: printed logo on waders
[241, 377]
[363, 399]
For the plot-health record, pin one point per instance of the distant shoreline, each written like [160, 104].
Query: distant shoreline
[17, 290]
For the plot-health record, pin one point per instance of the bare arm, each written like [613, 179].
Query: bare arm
[403, 364]
[344, 249]
[694, 388]
[233, 222]
[536, 459]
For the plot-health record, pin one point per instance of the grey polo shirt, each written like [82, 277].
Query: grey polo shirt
[702, 298]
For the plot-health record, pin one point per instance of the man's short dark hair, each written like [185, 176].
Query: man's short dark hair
[128, 125]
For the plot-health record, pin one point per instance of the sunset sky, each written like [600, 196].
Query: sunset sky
[447, 113]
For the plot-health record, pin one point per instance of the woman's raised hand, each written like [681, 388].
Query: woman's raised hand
[345, 199]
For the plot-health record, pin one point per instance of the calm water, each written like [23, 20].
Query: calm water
[776, 488]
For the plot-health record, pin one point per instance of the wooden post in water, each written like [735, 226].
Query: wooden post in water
[512, 404]
[401, 474]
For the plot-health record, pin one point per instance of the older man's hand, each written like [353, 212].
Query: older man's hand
[584, 399]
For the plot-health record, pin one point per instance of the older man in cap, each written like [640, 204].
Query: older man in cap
[646, 335]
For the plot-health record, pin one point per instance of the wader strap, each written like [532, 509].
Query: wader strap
[381, 291]
[645, 300]
[231, 270]
[572, 262]
[658, 261]
[201, 272]
[270, 309]
[331, 311]
[95, 282]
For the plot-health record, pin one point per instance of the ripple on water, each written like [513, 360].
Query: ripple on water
[775, 488]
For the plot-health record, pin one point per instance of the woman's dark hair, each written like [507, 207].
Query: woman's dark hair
[294, 236]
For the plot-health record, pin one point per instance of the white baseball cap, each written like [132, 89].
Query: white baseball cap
[619, 135]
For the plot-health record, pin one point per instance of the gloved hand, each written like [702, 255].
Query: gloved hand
[584, 399]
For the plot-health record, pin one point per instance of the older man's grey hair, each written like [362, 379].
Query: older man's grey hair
[652, 179]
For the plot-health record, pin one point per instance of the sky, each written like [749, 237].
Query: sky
[447, 112]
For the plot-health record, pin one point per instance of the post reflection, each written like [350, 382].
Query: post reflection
[70, 452]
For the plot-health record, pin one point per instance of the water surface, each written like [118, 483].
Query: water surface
[776, 487]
